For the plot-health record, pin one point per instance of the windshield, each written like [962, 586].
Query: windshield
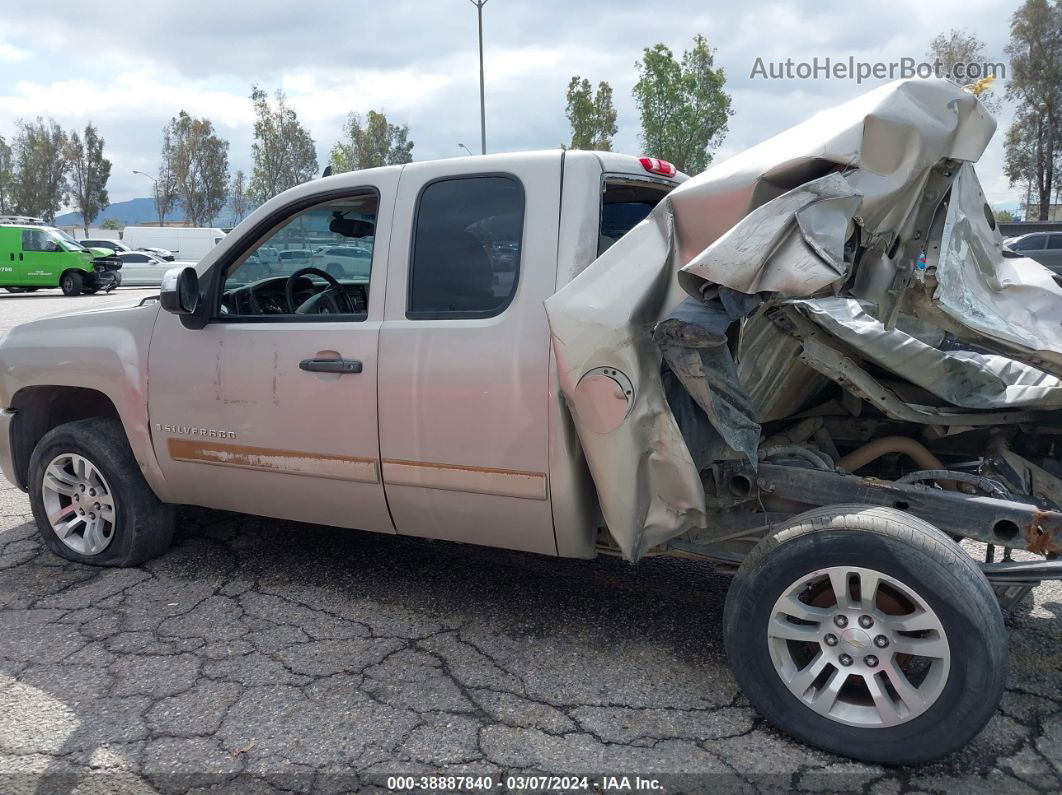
[64, 240]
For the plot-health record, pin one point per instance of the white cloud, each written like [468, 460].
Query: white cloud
[418, 61]
[12, 54]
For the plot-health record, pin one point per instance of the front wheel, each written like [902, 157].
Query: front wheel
[869, 633]
[71, 283]
[90, 500]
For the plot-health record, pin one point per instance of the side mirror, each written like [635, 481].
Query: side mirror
[180, 290]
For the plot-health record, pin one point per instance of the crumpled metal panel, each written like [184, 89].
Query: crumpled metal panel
[693, 342]
[881, 147]
[963, 378]
[792, 245]
[1013, 301]
[647, 482]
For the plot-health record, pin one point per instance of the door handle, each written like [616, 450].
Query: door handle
[330, 365]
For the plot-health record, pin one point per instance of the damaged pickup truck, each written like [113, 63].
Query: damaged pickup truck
[811, 365]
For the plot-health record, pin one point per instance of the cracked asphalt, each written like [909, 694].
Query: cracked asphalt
[266, 656]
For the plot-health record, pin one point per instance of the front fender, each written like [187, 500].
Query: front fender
[104, 350]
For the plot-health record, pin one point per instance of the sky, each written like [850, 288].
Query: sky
[129, 66]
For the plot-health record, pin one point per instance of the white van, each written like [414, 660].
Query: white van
[186, 243]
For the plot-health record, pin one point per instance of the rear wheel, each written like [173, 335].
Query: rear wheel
[869, 633]
[71, 283]
[90, 500]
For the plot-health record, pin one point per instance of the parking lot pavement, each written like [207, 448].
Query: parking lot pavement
[260, 655]
[17, 308]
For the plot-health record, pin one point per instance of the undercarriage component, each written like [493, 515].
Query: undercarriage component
[874, 450]
[1023, 571]
[1013, 579]
[994, 521]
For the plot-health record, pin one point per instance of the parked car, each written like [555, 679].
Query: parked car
[343, 261]
[593, 405]
[143, 269]
[34, 256]
[98, 242]
[1044, 247]
[162, 253]
[294, 256]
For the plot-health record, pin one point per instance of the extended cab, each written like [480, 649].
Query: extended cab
[413, 394]
[34, 256]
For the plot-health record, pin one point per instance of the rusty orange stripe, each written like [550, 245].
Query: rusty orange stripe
[268, 459]
[461, 477]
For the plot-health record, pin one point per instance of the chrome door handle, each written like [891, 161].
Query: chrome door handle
[330, 365]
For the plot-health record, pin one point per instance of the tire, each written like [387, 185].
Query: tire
[336, 270]
[142, 526]
[71, 283]
[962, 679]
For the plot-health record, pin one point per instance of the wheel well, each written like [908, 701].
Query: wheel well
[41, 408]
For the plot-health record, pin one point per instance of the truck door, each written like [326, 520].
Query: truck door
[464, 351]
[271, 408]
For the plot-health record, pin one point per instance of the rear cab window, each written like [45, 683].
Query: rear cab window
[625, 203]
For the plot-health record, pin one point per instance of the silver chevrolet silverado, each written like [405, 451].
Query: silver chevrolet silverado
[810, 365]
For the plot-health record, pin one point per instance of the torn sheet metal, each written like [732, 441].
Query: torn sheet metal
[966, 379]
[793, 245]
[1015, 302]
[693, 342]
[862, 167]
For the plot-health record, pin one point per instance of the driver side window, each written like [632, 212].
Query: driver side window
[315, 265]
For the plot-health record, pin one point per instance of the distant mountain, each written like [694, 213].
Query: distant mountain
[133, 211]
[138, 211]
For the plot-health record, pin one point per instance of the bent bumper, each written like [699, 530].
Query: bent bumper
[103, 280]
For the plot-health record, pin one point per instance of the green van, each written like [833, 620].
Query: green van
[34, 256]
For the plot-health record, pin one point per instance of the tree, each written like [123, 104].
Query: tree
[683, 106]
[112, 224]
[238, 197]
[1004, 216]
[196, 161]
[6, 175]
[1035, 52]
[593, 118]
[284, 153]
[40, 169]
[89, 172]
[377, 143]
[166, 182]
[960, 47]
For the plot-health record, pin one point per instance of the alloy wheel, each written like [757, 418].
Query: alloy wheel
[79, 503]
[859, 647]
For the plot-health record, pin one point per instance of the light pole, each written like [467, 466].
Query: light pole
[155, 184]
[482, 102]
[462, 146]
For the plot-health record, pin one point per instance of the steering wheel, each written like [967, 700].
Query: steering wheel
[324, 302]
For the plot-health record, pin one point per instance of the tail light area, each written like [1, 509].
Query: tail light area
[655, 165]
